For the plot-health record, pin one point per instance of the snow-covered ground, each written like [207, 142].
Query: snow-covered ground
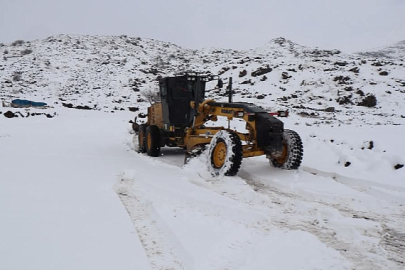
[74, 194]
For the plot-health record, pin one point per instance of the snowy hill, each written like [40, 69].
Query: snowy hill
[396, 51]
[75, 193]
[107, 73]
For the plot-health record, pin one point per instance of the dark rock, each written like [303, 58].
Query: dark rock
[285, 75]
[359, 92]
[247, 59]
[384, 73]
[242, 73]
[347, 164]
[80, 107]
[344, 100]
[377, 64]
[355, 70]
[330, 109]
[67, 105]
[223, 70]
[341, 64]
[398, 166]
[261, 71]
[371, 145]
[348, 88]
[26, 51]
[323, 53]
[260, 97]
[342, 79]
[263, 78]
[9, 114]
[368, 101]
[133, 109]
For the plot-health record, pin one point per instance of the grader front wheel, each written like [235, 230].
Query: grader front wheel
[219, 154]
[225, 154]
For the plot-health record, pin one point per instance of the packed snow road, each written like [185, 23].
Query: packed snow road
[74, 194]
[360, 218]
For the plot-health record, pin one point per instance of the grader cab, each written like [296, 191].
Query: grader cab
[180, 120]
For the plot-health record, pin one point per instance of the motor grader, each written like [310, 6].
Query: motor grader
[180, 119]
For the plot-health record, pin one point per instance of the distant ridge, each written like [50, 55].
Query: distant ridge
[394, 51]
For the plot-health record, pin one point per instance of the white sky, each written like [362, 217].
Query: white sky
[349, 25]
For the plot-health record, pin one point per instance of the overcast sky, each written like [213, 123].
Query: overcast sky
[349, 25]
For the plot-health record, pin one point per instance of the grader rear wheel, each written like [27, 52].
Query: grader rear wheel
[152, 141]
[141, 138]
[292, 153]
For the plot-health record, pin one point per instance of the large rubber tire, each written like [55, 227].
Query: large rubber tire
[142, 138]
[292, 154]
[152, 141]
[224, 154]
[135, 125]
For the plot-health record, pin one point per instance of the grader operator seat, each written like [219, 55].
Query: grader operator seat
[176, 94]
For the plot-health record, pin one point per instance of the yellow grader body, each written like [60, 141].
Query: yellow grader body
[179, 119]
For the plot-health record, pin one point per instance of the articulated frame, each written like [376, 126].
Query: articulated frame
[199, 135]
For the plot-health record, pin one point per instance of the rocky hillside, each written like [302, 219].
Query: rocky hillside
[110, 73]
[396, 51]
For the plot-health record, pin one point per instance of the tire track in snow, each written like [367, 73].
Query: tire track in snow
[157, 247]
[388, 240]
[387, 193]
[392, 241]
[310, 224]
[280, 199]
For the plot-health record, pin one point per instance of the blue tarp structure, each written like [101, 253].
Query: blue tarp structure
[26, 103]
